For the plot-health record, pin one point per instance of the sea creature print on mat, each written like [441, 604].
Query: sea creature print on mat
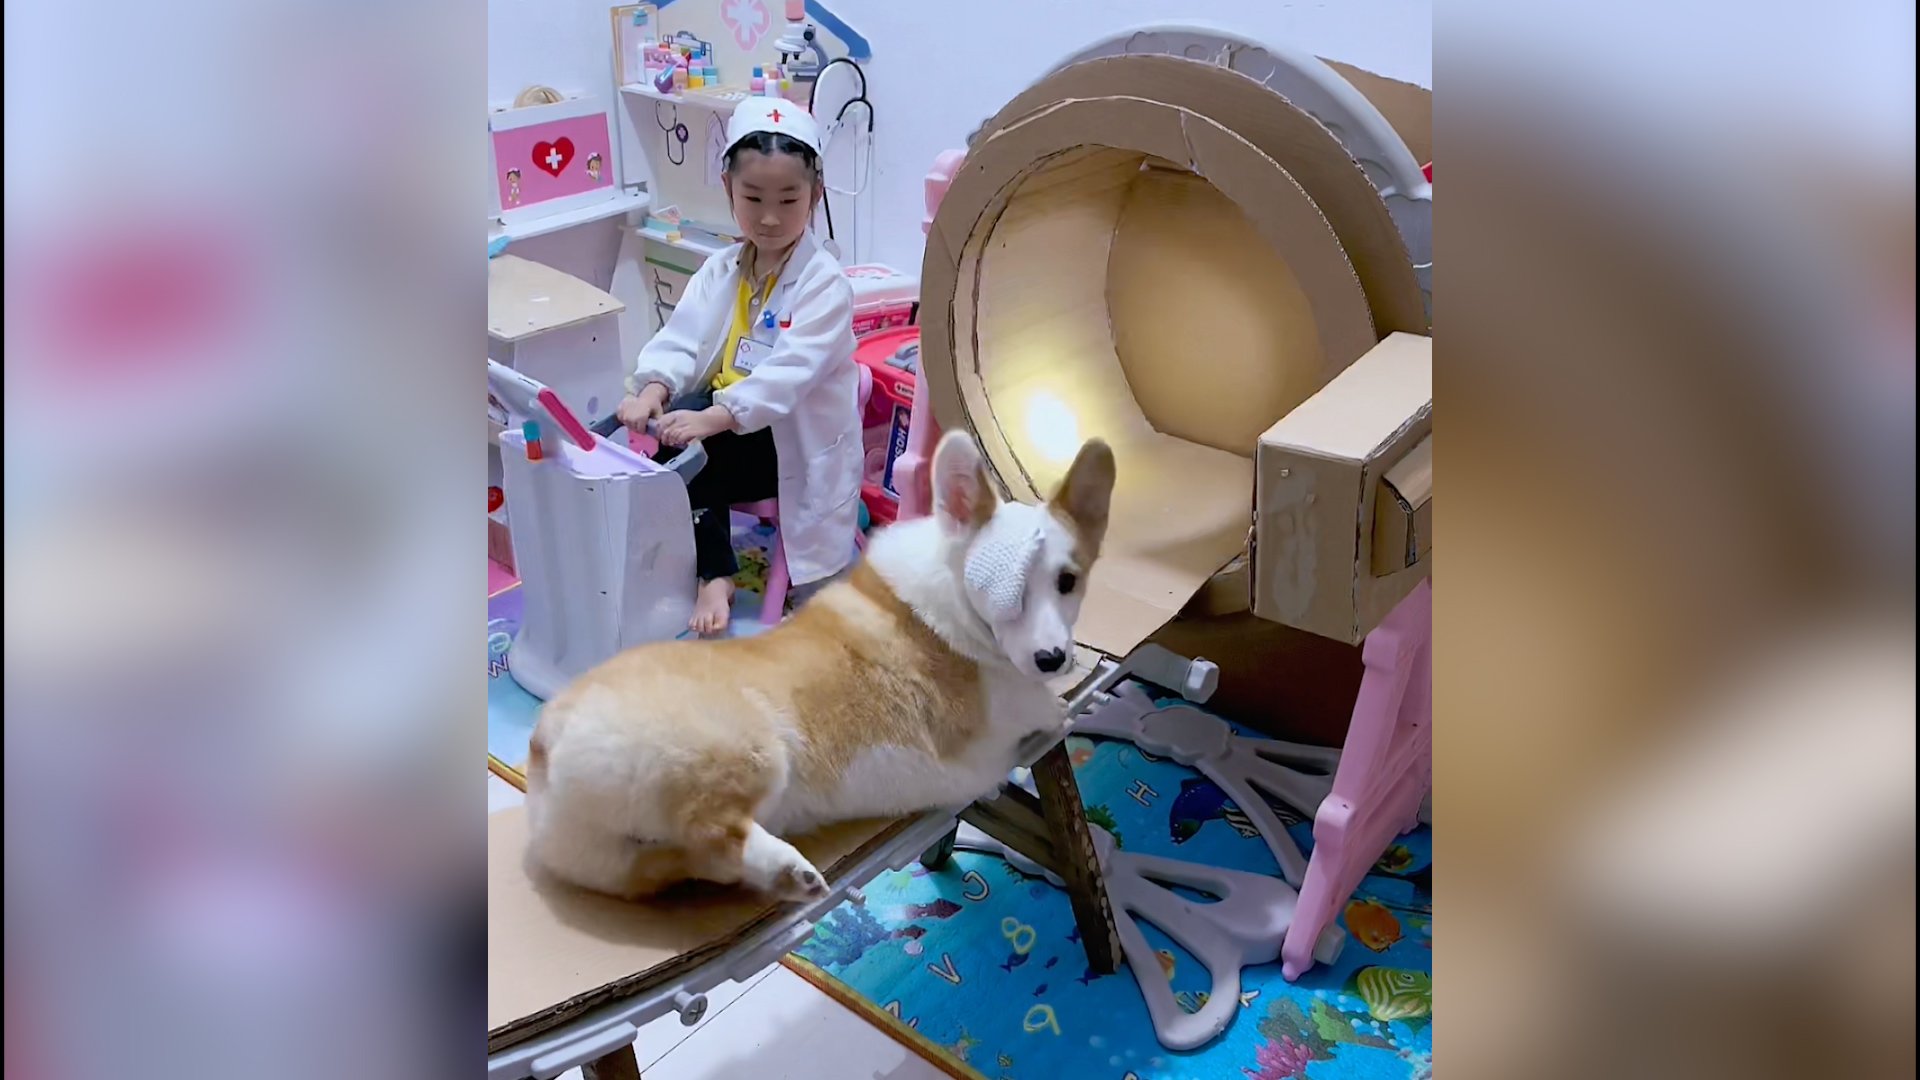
[1280, 1059]
[1192, 1000]
[845, 935]
[912, 936]
[1288, 816]
[1080, 750]
[1167, 963]
[1102, 815]
[1393, 994]
[942, 908]
[1421, 880]
[1395, 859]
[1372, 925]
[963, 1045]
[1014, 960]
[1321, 1027]
[1200, 801]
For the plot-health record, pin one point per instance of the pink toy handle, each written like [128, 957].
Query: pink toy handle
[565, 418]
[796, 10]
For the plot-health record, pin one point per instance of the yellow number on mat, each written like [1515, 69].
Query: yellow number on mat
[1045, 1020]
[1019, 933]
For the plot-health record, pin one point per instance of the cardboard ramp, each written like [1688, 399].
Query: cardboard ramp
[555, 953]
[1168, 255]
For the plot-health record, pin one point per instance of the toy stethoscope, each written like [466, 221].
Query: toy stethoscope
[838, 124]
[676, 132]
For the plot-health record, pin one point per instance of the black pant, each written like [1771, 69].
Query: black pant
[740, 468]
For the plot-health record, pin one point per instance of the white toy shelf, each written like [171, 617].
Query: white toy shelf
[557, 330]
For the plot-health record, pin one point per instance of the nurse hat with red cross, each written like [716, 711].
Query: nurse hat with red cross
[772, 114]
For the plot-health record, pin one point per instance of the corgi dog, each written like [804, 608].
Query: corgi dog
[916, 683]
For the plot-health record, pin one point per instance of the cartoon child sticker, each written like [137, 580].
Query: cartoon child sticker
[593, 167]
[513, 187]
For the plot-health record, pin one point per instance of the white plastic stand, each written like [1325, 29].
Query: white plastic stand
[1235, 762]
[1249, 922]
[1245, 926]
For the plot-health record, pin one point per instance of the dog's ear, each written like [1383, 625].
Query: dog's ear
[963, 499]
[1086, 495]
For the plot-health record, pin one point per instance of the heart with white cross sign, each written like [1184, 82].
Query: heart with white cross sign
[552, 157]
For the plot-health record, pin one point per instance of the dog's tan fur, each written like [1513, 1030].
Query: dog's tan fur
[686, 759]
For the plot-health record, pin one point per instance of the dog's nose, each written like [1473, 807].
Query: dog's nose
[1050, 661]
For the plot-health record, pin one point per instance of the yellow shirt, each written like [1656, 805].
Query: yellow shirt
[743, 313]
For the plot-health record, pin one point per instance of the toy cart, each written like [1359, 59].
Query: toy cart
[602, 538]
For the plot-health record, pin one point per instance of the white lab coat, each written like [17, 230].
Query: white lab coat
[806, 390]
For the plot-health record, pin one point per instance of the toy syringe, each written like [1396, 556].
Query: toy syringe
[525, 400]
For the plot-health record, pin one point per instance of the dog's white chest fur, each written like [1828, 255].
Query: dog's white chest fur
[886, 781]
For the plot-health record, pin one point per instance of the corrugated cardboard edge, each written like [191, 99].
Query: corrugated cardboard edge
[1407, 107]
[1313, 156]
[1282, 213]
[527, 1027]
[1369, 598]
[1374, 596]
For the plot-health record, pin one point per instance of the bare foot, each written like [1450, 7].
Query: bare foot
[712, 608]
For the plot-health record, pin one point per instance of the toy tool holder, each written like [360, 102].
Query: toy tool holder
[602, 541]
[891, 358]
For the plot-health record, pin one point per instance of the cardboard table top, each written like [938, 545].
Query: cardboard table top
[555, 953]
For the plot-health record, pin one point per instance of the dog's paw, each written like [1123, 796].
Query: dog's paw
[799, 883]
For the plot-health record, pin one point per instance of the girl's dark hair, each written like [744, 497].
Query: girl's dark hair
[773, 142]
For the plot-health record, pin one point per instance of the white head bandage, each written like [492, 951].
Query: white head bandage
[999, 563]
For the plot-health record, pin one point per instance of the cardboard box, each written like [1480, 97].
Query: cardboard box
[1320, 475]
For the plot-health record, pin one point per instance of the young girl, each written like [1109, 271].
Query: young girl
[757, 361]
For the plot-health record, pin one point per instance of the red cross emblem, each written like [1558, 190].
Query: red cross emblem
[776, 115]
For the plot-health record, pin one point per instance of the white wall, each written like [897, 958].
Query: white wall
[941, 69]
[558, 43]
[563, 44]
[935, 77]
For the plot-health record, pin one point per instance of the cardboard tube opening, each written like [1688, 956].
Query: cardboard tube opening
[1137, 271]
[1131, 299]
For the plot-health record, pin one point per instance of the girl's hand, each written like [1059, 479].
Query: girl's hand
[682, 427]
[636, 410]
